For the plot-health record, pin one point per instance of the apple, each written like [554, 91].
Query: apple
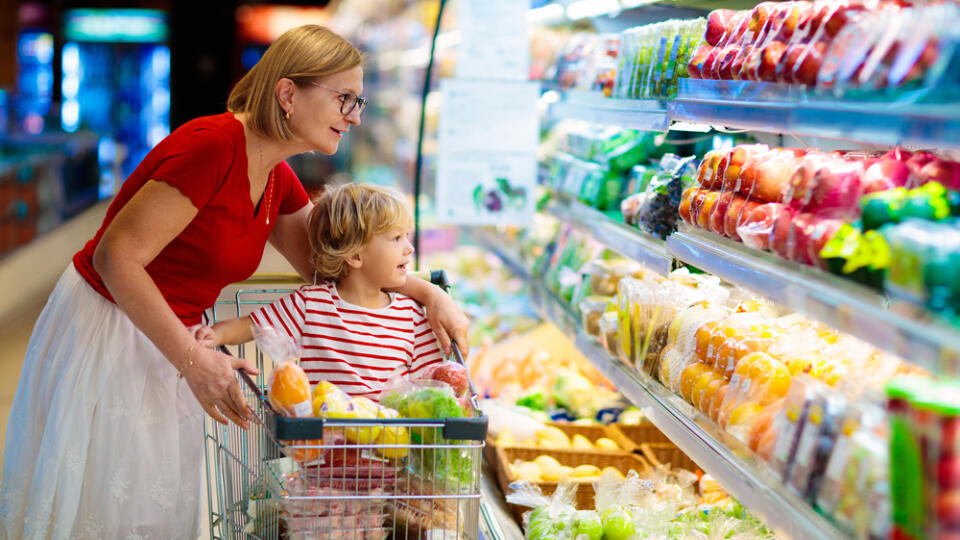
[735, 160]
[917, 161]
[809, 64]
[948, 471]
[782, 234]
[718, 23]
[769, 60]
[724, 67]
[836, 190]
[719, 212]
[453, 374]
[795, 13]
[685, 200]
[943, 171]
[739, 207]
[739, 62]
[695, 65]
[697, 205]
[884, 174]
[710, 64]
[948, 508]
[755, 229]
[705, 211]
[822, 232]
[839, 18]
[618, 525]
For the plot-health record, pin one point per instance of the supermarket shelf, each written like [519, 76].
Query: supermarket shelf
[774, 108]
[645, 115]
[897, 327]
[781, 108]
[624, 239]
[737, 469]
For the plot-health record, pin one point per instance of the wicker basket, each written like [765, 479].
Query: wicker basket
[621, 461]
[641, 433]
[592, 432]
[658, 454]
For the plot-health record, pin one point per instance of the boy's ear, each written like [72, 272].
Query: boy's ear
[354, 261]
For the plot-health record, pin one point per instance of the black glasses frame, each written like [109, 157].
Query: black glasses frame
[348, 100]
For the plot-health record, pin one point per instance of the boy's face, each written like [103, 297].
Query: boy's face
[386, 258]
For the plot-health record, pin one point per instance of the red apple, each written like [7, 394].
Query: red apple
[719, 212]
[884, 174]
[769, 60]
[809, 64]
[948, 508]
[948, 471]
[695, 65]
[735, 214]
[782, 233]
[822, 232]
[756, 228]
[724, 67]
[697, 205]
[943, 171]
[718, 23]
[839, 18]
[453, 374]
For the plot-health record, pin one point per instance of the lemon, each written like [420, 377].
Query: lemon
[550, 468]
[604, 443]
[584, 471]
[580, 442]
[329, 401]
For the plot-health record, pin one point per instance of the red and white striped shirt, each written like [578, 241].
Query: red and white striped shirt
[358, 349]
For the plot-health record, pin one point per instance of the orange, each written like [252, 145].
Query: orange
[745, 413]
[717, 401]
[700, 386]
[706, 398]
[303, 454]
[289, 390]
[704, 333]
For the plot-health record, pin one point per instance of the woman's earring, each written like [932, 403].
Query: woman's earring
[286, 115]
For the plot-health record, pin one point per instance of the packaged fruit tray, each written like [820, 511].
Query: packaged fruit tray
[621, 461]
[639, 434]
[658, 454]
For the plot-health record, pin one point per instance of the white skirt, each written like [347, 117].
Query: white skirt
[103, 440]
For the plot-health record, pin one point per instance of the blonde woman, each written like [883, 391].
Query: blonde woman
[105, 436]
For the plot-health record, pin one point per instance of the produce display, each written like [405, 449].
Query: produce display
[654, 56]
[840, 46]
[887, 220]
[658, 503]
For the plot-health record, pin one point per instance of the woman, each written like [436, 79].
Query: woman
[105, 436]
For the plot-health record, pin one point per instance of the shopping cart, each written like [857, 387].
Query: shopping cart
[301, 478]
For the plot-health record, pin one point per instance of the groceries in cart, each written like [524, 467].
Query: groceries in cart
[355, 468]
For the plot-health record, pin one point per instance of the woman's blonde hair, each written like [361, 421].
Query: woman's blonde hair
[345, 218]
[301, 54]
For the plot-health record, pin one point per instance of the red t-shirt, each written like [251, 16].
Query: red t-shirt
[206, 160]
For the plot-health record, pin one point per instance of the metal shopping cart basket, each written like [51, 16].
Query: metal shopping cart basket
[311, 478]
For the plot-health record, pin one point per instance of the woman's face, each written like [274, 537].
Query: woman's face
[316, 116]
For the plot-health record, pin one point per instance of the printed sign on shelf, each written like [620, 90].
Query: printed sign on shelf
[486, 163]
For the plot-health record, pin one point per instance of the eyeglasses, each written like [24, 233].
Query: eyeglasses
[348, 100]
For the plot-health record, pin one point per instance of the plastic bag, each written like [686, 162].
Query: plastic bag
[288, 385]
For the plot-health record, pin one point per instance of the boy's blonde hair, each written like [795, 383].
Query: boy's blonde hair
[301, 54]
[345, 218]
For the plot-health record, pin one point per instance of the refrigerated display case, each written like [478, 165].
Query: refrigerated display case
[116, 83]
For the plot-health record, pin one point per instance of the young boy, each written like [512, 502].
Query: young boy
[351, 331]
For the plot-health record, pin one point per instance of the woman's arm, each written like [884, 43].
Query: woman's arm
[289, 237]
[446, 318]
[139, 232]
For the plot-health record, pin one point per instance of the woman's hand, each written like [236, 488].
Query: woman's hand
[448, 322]
[213, 383]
